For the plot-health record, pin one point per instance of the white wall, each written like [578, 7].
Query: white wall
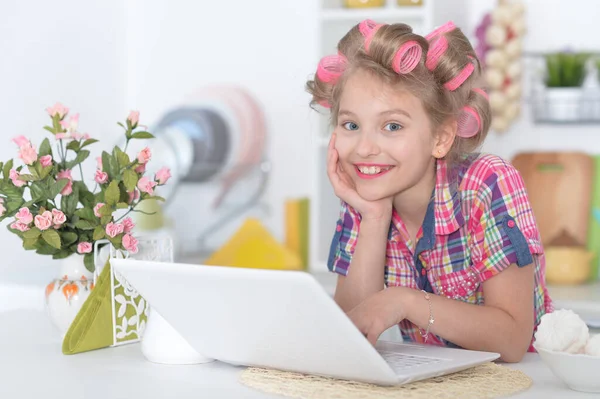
[63, 50]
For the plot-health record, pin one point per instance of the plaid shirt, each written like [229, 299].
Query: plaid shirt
[478, 223]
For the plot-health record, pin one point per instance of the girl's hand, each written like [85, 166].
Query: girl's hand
[380, 311]
[345, 189]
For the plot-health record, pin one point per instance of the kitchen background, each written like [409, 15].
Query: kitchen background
[105, 58]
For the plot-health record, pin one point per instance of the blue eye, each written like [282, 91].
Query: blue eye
[350, 126]
[393, 127]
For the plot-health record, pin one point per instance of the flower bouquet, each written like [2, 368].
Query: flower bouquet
[56, 214]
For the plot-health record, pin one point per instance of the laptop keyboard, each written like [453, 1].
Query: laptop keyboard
[400, 362]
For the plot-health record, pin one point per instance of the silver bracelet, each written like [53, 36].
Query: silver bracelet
[431, 319]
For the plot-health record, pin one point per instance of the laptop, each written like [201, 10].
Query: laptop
[283, 320]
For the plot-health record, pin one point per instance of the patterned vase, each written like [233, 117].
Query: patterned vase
[66, 294]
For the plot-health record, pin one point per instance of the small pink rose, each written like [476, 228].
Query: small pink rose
[21, 141]
[114, 229]
[24, 216]
[99, 163]
[130, 243]
[86, 136]
[72, 124]
[134, 118]
[144, 155]
[84, 247]
[46, 160]
[128, 225]
[66, 174]
[97, 209]
[58, 217]
[60, 136]
[140, 169]
[162, 176]
[146, 185]
[28, 154]
[101, 177]
[134, 195]
[59, 109]
[19, 226]
[14, 177]
[43, 221]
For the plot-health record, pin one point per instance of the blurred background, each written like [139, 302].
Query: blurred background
[221, 84]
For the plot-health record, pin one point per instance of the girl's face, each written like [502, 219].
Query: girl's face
[383, 138]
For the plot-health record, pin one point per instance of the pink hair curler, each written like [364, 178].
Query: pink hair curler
[330, 68]
[407, 57]
[447, 27]
[469, 123]
[437, 48]
[324, 103]
[459, 79]
[368, 28]
[482, 92]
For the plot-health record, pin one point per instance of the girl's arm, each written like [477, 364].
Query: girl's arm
[365, 274]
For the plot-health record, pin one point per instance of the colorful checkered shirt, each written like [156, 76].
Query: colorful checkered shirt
[478, 223]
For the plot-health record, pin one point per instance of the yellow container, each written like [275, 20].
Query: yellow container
[568, 265]
[363, 3]
[410, 2]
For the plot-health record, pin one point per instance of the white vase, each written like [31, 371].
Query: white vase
[563, 104]
[161, 343]
[65, 295]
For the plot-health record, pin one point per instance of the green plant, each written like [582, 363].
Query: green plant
[565, 69]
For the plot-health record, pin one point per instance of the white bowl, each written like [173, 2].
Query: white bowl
[578, 371]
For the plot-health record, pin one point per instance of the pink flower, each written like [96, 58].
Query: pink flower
[99, 163]
[97, 209]
[2, 208]
[21, 141]
[24, 216]
[59, 109]
[134, 195]
[114, 229]
[43, 221]
[144, 155]
[58, 218]
[84, 247]
[134, 118]
[163, 175]
[140, 168]
[60, 136]
[14, 177]
[86, 136]
[66, 174]
[28, 154]
[46, 160]
[128, 225]
[72, 124]
[101, 177]
[19, 226]
[130, 243]
[146, 185]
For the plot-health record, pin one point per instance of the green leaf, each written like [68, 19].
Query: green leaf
[88, 142]
[109, 165]
[122, 205]
[120, 124]
[7, 167]
[130, 179]
[1, 166]
[68, 238]
[81, 156]
[106, 219]
[121, 157]
[62, 254]
[85, 225]
[12, 205]
[116, 241]
[45, 148]
[48, 128]
[69, 202]
[99, 233]
[32, 233]
[112, 193]
[52, 238]
[142, 135]
[86, 214]
[39, 192]
[27, 177]
[157, 198]
[88, 261]
[44, 249]
[45, 172]
[73, 145]
[30, 243]
[57, 187]
[105, 210]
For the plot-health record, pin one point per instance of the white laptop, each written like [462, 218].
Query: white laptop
[282, 320]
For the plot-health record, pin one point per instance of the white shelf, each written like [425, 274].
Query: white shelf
[378, 14]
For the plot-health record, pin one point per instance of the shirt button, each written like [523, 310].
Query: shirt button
[511, 223]
[423, 272]
[338, 228]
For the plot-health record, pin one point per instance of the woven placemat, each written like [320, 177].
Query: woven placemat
[488, 380]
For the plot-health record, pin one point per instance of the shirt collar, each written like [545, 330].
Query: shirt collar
[447, 208]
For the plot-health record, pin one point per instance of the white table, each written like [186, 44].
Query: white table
[32, 366]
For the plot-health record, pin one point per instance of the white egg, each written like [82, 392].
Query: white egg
[562, 331]
[514, 70]
[496, 59]
[513, 92]
[518, 26]
[495, 35]
[502, 15]
[494, 78]
[498, 102]
[513, 48]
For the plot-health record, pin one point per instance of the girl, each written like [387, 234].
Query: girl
[431, 236]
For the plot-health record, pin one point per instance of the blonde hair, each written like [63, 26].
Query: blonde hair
[430, 86]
